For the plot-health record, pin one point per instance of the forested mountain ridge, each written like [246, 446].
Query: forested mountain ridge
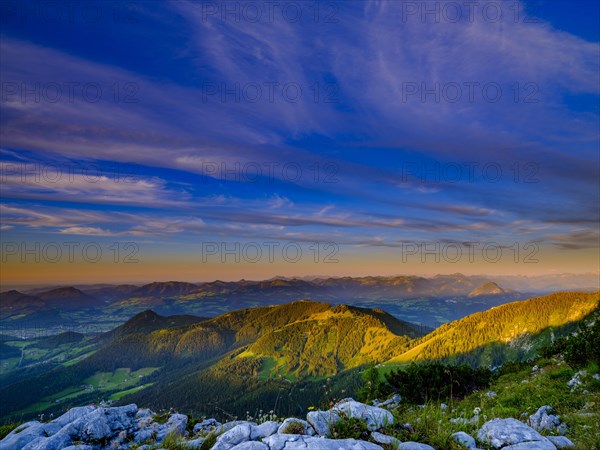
[501, 325]
[245, 357]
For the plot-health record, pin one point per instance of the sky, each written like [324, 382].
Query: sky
[196, 140]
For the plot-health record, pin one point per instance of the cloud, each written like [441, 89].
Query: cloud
[194, 148]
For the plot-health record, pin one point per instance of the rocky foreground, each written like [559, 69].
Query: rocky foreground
[125, 427]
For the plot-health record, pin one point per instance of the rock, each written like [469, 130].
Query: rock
[296, 426]
[85, 447]
[547, 445]
[381, 438]
[575, 382]
[464, 439]
[546, 420]
[561, 442]
[144, 412]
[251, 446]
[460, 421]
[263, 430]
[56, 442]
[414, 446]
[237, 435]
[505, 432]
[229, 425]
[73, 414]
[206, 426]
[102, 423]
[391, 402]
[195, 443]
[144, 435]
[374, 417]
[322, 421]
[176, 424]
[23, 435]
[300, 442]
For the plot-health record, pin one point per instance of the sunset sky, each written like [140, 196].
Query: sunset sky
[151, 141]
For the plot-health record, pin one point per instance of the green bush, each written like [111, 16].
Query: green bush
[581, 348]
[350, 428]
[7, 428]
[210, 441]
[418, 383]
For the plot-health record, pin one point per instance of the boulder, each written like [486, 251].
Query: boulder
[56, 442]
[500, 433]
[414, 446]
[23, 435]
[391, 402]
[374, 417]
[237, 435]
[300, 442]
[322, 421]
[229, 425]
[194, 443]
[545, 419]
[264, 430]
[296, 426]
[102, 423]
[561, 442]
[464, 439]
[72, 415]
[176, 424]
[547, 445]
[251, 446]
[381, 438]
[206, 426]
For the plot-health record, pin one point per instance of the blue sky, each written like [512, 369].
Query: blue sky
[372, 125]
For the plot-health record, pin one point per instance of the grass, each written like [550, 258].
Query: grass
[518, 395]
[118, 395]
[117, 384]
[5, 429]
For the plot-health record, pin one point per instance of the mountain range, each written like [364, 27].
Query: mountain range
[248, 357]
[413, 298]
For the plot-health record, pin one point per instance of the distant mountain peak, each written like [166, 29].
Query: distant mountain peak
[488, 288]
[164, 289]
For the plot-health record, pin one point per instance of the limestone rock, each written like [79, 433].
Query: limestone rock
[501, 433]
[374, 417]
[464, 439]
[300, 442]
[561, 442]
[322, 421]
[293, 426]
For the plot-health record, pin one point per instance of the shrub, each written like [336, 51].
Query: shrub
[294, 428]
[210, 441]
[350, 428]
[418, 383]
[7, 428]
